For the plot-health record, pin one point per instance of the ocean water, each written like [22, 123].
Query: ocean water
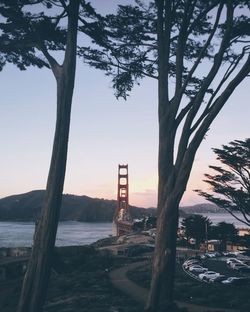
[225, 217]
[70, 233]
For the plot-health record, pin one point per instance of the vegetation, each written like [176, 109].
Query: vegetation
[145, 223]
[223, 231]
[186, 46]
[197, 227]
[230, 185]
[79, 282]
[201, 229]
[32, 33]
[27, 207]
[199, 53]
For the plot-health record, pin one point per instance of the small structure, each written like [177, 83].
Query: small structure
[234, 247]
[122, 221]
[213, 245]
[243, 231]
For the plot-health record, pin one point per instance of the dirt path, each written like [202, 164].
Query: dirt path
[120, 280]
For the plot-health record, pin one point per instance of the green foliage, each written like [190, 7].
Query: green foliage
[82, 208]
[131, 50]
[22, 33]
[223, 231]
[30, 29]
[230, 186]
[197, 227]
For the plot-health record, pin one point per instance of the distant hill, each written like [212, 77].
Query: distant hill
[201, 208]
[27, 207]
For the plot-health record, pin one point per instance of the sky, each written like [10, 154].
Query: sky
[104, 132]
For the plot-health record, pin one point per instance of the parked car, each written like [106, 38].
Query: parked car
[210, 254]
[208, 275]
[189, 263]
[197, 269]
[192, 260]
[230, 280]
[203, 257]
[244, 269]
[236, 253]
[236, 281]
[231, 262]
[237, 265]
[217, 279]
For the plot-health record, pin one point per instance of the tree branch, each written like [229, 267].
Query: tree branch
[55, 67]
[227, 74]
[181, 44]
[180, 92]
[217, 106]
[198, 99]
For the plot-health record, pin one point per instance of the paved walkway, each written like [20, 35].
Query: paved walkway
[120, 280]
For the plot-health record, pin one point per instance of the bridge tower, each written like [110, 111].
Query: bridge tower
[122, 222]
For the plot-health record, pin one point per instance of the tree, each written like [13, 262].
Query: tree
[224, 232]
[230, 186]
[197, 227]
[31, 28]
[198, 50]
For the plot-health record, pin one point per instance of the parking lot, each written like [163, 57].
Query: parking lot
[223, 268]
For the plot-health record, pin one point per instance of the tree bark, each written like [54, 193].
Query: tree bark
[171, 190]
[161, 291]
[36, 279]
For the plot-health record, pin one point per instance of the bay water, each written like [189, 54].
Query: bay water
[72, 233]
[69, 233]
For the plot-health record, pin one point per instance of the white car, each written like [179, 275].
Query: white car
[203, 257]
[217, 279]
[208, 275]
[197, 269]
[210, 254]
[233, 260]
[229, 280]
[187, 264]
[191, 261]
[236, 253]
[236, 280]
[235, 266]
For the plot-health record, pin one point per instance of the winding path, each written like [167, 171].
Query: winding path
[120, 280]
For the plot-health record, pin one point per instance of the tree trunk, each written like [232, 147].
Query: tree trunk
[162, 283]
[36, 279]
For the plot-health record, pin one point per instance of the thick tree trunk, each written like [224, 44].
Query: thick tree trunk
[37, 276]
[163, 271]
[36, 279]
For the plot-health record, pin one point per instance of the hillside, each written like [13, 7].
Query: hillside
[201, 208]
[27, 207]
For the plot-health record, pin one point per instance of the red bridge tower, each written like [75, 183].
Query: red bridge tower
[122, 222]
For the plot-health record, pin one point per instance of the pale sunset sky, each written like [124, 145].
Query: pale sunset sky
[104, 132]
